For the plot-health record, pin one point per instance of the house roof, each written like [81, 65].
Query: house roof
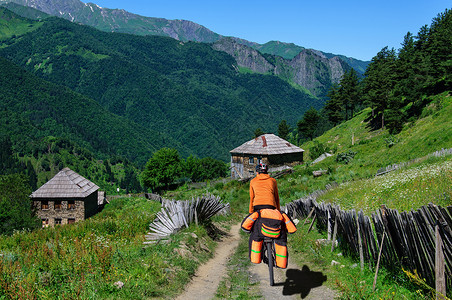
[267, 144]
[66, 184]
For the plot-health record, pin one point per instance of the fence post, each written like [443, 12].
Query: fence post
[334, 234]
[329, 225]
[378, 260]
[439, 267]
[360, 244]
[312, 211]
[312, 223]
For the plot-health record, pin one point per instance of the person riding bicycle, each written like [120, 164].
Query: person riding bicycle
[265, 219]
[263, 190]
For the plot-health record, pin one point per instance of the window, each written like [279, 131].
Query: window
[45, 204]
[251, 160]
[57, 221]
[57, 204]
[45, 223]
[71, 204]
[70, 221]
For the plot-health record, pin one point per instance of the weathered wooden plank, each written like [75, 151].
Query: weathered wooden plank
[439, 266]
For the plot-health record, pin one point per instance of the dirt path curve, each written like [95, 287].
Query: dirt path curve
[205, 282]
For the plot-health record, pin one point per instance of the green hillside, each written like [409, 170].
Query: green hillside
[12, 24]
[186, 91]
[372, 150]
[32, 109]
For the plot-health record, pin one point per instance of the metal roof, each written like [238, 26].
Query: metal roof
[267, 144]
[66, 184]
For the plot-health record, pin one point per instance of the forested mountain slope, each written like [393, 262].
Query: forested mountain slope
[316, 68]
[186, 91]
[31, 109]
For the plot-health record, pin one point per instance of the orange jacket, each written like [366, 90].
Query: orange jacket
[263, 191]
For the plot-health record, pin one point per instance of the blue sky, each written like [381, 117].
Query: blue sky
[358, 29]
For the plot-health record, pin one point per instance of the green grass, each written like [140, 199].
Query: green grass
[406, 189]
[84, 260]
[238, 284]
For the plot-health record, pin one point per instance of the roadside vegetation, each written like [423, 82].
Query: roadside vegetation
[102, 257]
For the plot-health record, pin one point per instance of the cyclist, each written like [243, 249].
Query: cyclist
[265, 219]
[263, 190]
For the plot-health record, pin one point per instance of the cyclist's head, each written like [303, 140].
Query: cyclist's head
[261, 168]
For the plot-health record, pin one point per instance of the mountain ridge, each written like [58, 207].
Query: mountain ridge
[119, 20]
[187, 91]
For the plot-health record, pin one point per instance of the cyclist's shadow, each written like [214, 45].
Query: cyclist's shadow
[302, 281]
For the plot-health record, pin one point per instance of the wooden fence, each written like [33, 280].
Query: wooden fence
[410, 236]
[176, 215]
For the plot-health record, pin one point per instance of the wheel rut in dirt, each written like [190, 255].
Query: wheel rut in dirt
[205, 282]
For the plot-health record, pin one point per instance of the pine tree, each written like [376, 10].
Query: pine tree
[283, 129]
[350, 92]
[380, 81]
[308, 124]
[334, 107]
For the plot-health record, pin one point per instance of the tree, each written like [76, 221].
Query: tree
[308, 124]
[16, 211]
[162, 169]
[283, 129]
[334, 107]
[258, 132]
[350, 92]
[380, 81]
[205, 168]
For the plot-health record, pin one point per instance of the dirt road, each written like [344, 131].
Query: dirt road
[291, 283]
[205, 282]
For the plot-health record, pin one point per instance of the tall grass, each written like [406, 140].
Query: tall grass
[86, 259]
[404, 189]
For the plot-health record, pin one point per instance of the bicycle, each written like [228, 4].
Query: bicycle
[269, 249]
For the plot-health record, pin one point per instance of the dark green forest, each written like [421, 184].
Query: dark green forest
[187, 92]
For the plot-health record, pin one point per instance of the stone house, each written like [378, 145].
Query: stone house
[270, 149]
[67, 198]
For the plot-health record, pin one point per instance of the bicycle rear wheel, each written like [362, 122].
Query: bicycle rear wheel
[269, 247]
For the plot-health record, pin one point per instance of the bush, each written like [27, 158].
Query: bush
[345, 157]
[318, 149]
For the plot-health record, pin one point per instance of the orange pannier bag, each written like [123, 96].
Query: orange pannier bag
[290, 226]
[281, 256]
[271, 222]
[248, 222]
[256, 252]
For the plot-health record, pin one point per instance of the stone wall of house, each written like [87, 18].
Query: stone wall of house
[66, 213]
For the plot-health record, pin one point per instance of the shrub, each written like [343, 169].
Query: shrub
[345, 157]
[318, 149]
